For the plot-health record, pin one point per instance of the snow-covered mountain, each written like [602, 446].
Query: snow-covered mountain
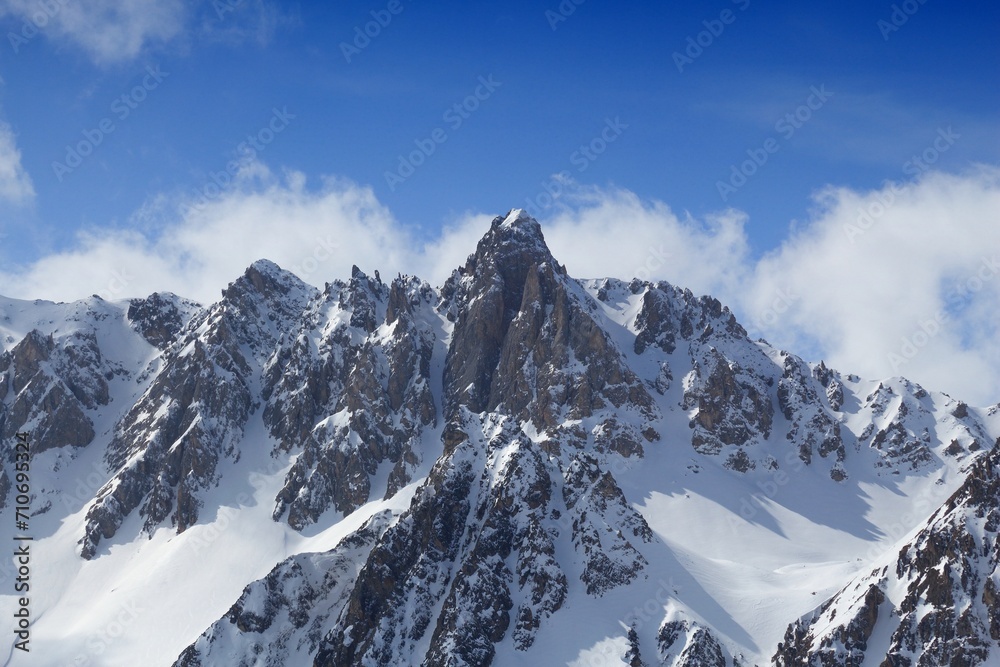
[515, 468]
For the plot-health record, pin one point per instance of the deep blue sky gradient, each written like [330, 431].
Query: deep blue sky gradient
[558, 89]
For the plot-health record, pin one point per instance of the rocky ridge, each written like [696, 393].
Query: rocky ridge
[517, 405]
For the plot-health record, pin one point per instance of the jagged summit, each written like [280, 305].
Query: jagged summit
[518, 220]
[265, 266]
[267, 279]
[516, 233]
[511, 285]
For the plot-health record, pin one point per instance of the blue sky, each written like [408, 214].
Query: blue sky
[643, 108]
[230, 64]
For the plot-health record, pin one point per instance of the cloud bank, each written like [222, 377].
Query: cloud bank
[902, 280]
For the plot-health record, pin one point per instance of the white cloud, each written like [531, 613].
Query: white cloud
[108, 31]
[919, 278]
[598, 232]
[437, 259]
[15, 184]
[904, 280]
[316, 234]
[611, 232]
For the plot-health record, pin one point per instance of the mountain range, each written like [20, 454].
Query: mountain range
[516, 467]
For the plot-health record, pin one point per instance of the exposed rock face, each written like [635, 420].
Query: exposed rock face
[196, 410]
[592, 497]
[844, 645]
[50, 388]
[727, 393]
[687, 644]
[732, 408]
[408, 569]
[168, 446]
[479, 535]
[160, 317]
[524, 344]
[366, 397]
[812, 423]
[948, 612]
[488, 293]
[899, 430]
[671, 316]
[344, 377]
[280, 619]
[829, 379]
[473, 560]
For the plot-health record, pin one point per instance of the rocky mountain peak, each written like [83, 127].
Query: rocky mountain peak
[513, 239]
[518, 220]
[261, 304]
[517, 305]
[265, 278]
[159, 317]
